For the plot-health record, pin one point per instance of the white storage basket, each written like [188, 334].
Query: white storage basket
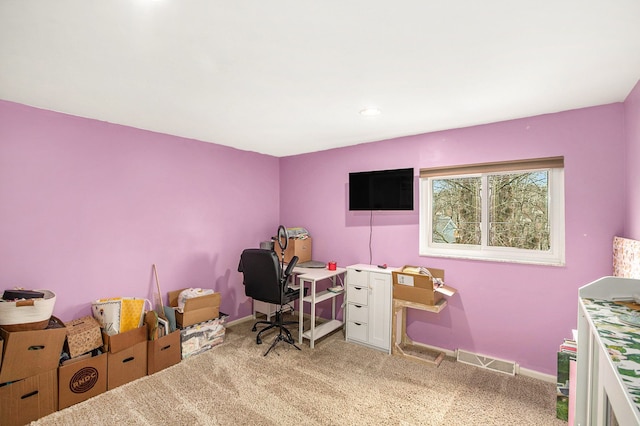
[28, 314]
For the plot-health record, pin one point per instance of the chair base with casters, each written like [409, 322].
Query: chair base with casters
[284, 335]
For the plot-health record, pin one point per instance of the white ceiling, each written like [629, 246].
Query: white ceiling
[284, 77]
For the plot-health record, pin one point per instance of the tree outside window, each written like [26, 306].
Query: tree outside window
[495, 215]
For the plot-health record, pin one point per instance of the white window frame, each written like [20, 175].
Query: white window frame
[554, 256]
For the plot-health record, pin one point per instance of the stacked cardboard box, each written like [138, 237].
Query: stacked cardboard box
[83, 376]
[202, 337]
[33, 384]
[196, 309]
[28, 373]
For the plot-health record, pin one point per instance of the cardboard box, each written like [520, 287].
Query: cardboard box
[163, 352]
[126, 365]
[81, 379]
[83, 335]
[196, 309]
[202, 337]
[117, 342]
[28, 353]
[29, 399]
[417, 288]
[296, 247]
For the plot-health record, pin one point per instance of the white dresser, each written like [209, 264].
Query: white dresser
[368, 306]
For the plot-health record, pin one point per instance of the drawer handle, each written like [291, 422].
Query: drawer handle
[357, 323]
[358, 288]
[358, 306]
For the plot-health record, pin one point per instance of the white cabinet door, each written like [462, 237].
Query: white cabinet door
[380, 310]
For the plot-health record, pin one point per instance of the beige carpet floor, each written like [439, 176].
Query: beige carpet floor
[336, 383]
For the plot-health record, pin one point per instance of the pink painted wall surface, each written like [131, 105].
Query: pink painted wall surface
[632, 130]
[510, 311]
[87, 207]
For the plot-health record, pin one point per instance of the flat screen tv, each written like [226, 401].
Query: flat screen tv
[381, 190]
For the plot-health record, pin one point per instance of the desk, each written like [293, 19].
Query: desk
[405, 346]
[310, 276]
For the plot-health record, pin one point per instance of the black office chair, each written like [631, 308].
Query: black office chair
[265, 280]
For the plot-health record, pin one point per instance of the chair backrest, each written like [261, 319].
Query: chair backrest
[263, 275]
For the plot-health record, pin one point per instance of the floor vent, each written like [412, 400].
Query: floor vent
[501, 366]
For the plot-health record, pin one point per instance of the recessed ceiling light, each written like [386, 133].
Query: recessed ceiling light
[369, 112]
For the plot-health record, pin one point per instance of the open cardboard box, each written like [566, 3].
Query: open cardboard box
[196, 309]
[296, 247]
[117, 342]
[28, 353]
[418, 288]
[127, 365]
[29, 399]
[163, 352]
[80, 379]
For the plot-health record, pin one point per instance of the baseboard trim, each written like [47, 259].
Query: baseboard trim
[240, 320]
[537, 375]
[519, 370]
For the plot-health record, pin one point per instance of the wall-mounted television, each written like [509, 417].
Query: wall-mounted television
[381, 190]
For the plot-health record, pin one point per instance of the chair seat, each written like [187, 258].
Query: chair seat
[291, 294]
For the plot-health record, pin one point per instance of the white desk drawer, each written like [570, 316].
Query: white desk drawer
[358, 294]
[357, 331]
[357, 277]
[357, 313]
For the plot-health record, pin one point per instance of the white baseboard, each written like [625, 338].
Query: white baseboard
[240, 320]
[519, 370]
[537, 375]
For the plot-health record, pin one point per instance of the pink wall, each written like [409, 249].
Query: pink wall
[510, 311]
[87, 207]
[632, 129]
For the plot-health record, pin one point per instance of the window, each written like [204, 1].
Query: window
[508, 211]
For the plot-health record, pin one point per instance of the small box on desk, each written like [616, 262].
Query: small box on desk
[29, 399]
[296, 247]
[412, 286]
[196, 309]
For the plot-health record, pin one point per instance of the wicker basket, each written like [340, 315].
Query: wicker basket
[29, 314]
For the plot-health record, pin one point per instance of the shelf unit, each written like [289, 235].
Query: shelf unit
[310, 277]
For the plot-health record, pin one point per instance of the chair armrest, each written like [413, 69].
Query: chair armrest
[290, 266]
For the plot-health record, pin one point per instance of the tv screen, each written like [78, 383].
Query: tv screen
[381, 190]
